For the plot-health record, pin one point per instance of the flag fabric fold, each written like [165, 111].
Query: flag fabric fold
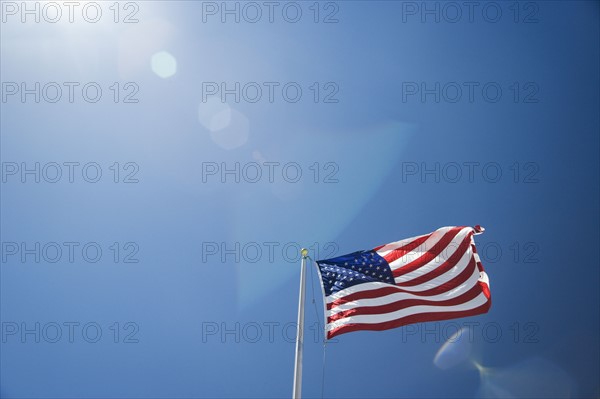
[432, 277]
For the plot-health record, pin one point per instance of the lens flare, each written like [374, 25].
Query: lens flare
[331, 164]
[535, 377]
[455, 350]
[229, 129]
[164, 64]
[141, 42]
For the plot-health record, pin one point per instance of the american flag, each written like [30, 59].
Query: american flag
[436, 276]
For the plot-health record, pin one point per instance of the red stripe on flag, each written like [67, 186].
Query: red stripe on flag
[443, 268]
[429, 255]
[392, 289]
[405, 303]
[417, 318]
[400, 252]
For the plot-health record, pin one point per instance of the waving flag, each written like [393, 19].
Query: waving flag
[436, 276]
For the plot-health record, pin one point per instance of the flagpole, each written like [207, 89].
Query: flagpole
[300, 332]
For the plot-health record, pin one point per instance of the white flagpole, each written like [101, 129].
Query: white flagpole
[300, 332]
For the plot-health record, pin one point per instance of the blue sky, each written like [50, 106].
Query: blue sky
[407, 121]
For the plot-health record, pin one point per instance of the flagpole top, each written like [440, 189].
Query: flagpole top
[304, 252]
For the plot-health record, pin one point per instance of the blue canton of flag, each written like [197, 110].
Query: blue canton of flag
[352, 269]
